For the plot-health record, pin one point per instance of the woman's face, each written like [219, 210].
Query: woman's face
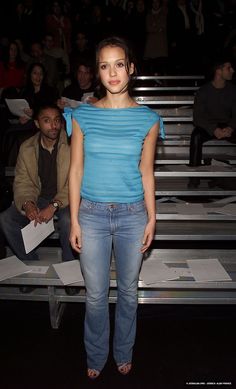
[37, 76]
[13, 50]
[113, 70]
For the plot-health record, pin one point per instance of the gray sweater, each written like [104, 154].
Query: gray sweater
[215, 107]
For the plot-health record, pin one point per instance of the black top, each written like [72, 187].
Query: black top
[47, 170]
[214, 107]
[74, 92]
[46, 95]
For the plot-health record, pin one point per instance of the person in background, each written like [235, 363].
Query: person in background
[41, 184]
[112, 202]
[214, 112]
[81, 49]
[50, 64]
[59, 25]
[61, 57]
[12, 68]
[82, 87]
[36, 92]
[156, 45]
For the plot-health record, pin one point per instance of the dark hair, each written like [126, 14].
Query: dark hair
[42, 107]
[129, 57]
[6, 56]
[30, 69]
[86, 62]
[217, 62]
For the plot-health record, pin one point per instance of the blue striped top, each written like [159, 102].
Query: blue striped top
[113, 140]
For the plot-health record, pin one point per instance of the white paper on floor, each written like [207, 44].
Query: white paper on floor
[155, 270]
[209, 269]
[69, 272]
[11, 267]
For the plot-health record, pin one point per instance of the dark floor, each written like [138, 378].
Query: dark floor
[177, 347]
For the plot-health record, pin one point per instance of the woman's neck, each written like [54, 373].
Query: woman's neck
[37, 88]
[118, 101]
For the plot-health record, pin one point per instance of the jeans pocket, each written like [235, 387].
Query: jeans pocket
[138, 207]
[86, 205]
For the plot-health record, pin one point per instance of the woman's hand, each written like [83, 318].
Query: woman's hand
[76, 238]
[23, 119]
[28, 112]
[148, 235]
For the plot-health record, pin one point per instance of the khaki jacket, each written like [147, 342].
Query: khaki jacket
[27, 185]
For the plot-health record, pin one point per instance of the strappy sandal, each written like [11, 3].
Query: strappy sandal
[124, 368]
[93, 373]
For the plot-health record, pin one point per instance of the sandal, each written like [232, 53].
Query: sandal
[124, 368]
[93, 373]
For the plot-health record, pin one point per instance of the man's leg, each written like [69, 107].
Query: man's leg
[11, 223]
[64, 231]
[198, 137]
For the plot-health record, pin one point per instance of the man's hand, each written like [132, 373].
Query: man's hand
[221, 133]
[46, 214]
[31, 212]
[228, 132]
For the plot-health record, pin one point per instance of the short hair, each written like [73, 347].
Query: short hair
[43, 107]
[219, 61]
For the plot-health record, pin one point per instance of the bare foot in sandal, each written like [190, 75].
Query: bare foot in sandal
[124, 368]
[93, 373]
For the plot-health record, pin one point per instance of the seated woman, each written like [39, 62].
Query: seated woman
[36, 92]
[12, 79]
[12, 68]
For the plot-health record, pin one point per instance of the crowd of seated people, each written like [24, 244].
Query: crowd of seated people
[47, 67]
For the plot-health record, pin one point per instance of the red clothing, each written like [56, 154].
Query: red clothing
[60, 28]
[12, 76]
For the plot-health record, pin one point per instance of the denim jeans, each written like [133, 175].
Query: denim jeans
[104, 226]
[12, 221]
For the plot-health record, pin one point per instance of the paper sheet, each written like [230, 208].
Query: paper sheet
[17, 106]
[38, 269]
[229, 209]
[182, 272]
[86, 96]
[33, 236]
[204, 270]
[153, 271]
[71, 103]
[11, 267]
[69, 272]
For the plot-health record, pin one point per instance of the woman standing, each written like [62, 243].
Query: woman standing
[112, 203]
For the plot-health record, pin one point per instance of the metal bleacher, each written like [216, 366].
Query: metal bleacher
[204, 215]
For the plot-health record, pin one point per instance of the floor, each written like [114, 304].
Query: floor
[177, 347]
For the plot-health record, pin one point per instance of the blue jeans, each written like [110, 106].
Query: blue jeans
[12, 221]
[103, 226]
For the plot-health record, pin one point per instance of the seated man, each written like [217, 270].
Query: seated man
[82, 87]
[214, 112]
[41, 184]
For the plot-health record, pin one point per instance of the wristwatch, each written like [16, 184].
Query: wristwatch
[55, 204]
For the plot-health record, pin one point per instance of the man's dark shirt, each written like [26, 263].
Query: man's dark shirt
[214, 107]
[47, 165]
[74, 92]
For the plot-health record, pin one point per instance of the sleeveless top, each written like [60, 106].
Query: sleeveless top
[113, 140]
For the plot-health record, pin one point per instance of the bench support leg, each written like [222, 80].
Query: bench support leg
[56, 308]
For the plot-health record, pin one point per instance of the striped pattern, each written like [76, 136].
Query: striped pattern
[113, 140]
